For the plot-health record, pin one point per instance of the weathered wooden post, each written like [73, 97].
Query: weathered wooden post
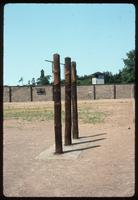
[74, 101]
[94, 92]
[57, 104]
[31, 93]
[67, 101]
[114, 91]
[10, 94]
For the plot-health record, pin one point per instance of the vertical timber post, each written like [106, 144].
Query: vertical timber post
[94, 92]
[74, 101]
[57, 104]
[114, 91]
[134, 91]
[67, 101]
[10, 94]
[31, 93]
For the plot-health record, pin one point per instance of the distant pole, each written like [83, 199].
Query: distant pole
[67, 101]
[94, 92]
[57, 104]
[74, 101]
[114, 91]
[10, 94]
[31, 93]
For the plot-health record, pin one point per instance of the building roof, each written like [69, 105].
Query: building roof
[96, 74]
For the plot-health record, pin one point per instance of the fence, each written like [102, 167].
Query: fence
[45, 93]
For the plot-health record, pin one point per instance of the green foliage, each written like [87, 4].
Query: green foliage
[108, 77]
[62, 81]
[84, 80]
[128, 72]
[33, 81]
[126, 75]
[43, 80]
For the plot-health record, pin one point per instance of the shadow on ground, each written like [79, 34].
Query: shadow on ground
[81, 149]
[93, 135]
[86, 142]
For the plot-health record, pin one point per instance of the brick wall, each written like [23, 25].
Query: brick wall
[20, 94]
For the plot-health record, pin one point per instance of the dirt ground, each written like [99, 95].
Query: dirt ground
[104, 166]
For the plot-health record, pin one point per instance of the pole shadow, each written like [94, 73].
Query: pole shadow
[88, 141]
[92, 135]
[81, 149]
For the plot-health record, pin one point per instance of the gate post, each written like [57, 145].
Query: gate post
[74, 102]
[57, 104]
[67, 101]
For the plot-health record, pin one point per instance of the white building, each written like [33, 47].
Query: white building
[98, 78]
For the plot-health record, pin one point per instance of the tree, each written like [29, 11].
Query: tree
[84, 80]
[21, 80]
[43, 80]
[128, 72]
[33, 81]
[117, 77]
[108, 77]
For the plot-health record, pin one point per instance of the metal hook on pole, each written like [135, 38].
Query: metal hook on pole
[53, 64]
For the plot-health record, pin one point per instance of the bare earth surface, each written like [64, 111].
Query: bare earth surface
[99, 164]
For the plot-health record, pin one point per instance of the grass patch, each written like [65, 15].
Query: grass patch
[91, 117]
[29, 114]
[85, 114]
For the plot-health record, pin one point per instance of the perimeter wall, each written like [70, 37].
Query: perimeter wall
[44, 93]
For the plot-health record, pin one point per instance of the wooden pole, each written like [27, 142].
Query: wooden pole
[94, 92]
[74, 102]
[114, 91]
[10, 94]
[31, 93]
[67, 101]
[57, 104]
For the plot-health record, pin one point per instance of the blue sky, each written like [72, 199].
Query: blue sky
[96, 36]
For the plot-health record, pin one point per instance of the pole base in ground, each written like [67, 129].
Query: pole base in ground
[67, 144]
[75, 137]
[58, 153]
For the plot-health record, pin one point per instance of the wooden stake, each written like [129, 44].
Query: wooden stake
[67, 101]
[74, 102]
[57, 104]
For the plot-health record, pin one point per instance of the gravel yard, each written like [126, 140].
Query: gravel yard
[99, 164]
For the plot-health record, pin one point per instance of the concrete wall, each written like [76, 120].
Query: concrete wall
[42, 97]
[124, 91]
[20, 94]
[85, 92]
[6, 94]
[104, 91]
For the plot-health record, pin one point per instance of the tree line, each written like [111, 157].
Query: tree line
[125, 75]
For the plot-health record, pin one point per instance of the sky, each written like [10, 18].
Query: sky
[96, 36]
